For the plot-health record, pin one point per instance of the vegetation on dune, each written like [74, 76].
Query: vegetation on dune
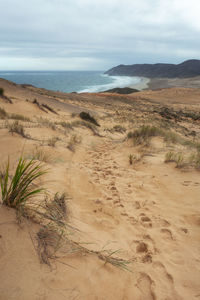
[3, 113]
[1, 91]
[87, 117]
[143, 135]
[52, 141]
[79, 123]
[16, 191]
[119, 128]
[52, 215]
[19, 117]
[18, 128]
[74, 140]
[182, 160]
[41, 155]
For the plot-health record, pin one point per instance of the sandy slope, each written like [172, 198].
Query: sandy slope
[149, 210]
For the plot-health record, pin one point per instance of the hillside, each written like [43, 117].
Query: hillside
[189, 68]
[120, 215]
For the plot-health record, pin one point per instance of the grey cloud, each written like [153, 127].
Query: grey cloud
[98, 34]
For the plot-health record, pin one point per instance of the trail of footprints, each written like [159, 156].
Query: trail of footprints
[106, 172]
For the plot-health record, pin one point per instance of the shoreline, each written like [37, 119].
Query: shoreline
[142, 85]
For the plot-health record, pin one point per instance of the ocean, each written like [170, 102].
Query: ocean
[70, 81]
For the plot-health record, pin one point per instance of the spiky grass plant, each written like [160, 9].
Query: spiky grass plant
[21, 187]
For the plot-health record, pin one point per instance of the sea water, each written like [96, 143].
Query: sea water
[70, 81]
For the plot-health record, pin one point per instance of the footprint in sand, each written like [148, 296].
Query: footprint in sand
[167, 234]
[146, 287]
[137, 205]
[167, 281]
[145, 221]
[142, 247]
[162, 223]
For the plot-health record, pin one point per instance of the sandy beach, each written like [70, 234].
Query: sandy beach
[157, 83]
[161, 83]
[130, 228]
[143, 84]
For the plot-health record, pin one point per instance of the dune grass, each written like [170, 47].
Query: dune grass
[181, 160]
[19, 117]
[41, 155]
[18, 128]
[52, 141]
[143, 135]
[74, 140]
[176, 157]
[3, 113]
[21, 187]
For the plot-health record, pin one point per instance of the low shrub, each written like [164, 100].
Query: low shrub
[87, 117]
[1, 91]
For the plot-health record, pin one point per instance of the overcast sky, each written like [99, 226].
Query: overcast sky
[96, 34]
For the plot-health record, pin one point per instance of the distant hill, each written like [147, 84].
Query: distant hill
[189, 68]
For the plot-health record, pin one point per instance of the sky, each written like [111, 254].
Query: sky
[96, 34]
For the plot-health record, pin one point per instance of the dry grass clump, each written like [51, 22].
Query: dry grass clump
[194, 159]
[182, 160]
[66, 125]
[55, 235]
[53, 212]
[176, 157]
[74, 140]
[18, 128]
[49, 241]
[19, 117]
[143, 135]
[47, 123]
[3, 113]
[16, 191]
[52, 141]
[119, 128]
[87, 125]
[41, 155]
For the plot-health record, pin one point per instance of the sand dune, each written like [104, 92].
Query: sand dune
[147, 212]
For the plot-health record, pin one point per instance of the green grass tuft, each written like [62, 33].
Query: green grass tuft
[21, 187]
